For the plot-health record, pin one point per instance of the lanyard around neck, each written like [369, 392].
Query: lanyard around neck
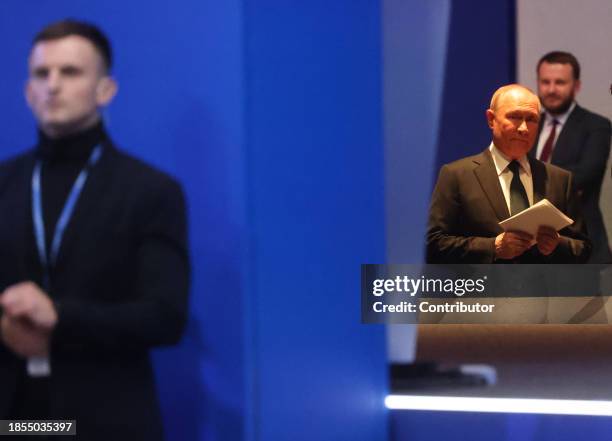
[48, 259]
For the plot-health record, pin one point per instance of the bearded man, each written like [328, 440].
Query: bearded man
[575, 139]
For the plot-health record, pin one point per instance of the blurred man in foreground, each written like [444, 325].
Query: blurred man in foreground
[94, 268]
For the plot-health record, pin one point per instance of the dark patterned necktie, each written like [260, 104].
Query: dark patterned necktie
[518, 195]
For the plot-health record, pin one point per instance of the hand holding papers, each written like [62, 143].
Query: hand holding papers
[541, 214]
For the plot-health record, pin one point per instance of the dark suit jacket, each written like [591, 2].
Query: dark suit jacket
[120, 286]
[467, 205]
[583, 147]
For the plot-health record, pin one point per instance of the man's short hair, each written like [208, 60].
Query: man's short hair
[503, 90]
[68, 27]
[559, 57]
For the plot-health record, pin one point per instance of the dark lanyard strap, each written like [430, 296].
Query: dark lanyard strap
[48, 260]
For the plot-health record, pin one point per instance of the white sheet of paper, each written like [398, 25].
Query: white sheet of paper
[541, 214]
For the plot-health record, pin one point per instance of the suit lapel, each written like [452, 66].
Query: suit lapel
[539, 178]
[563, 145]
[22, 216]
[486, 174]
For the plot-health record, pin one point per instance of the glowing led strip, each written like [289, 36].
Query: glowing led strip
[503, 405]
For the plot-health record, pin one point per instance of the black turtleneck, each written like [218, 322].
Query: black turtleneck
[62, 160]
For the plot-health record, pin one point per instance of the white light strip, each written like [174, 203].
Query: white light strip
[503, 405]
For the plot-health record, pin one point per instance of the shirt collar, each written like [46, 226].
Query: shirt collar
[501, 161]
[561, 119]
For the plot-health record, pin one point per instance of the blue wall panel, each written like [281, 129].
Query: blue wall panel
[415, 38]
[316, 207]
[414, 61]
[480, 58]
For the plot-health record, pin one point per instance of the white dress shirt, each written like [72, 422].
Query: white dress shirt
[547, 127]
[505, 175]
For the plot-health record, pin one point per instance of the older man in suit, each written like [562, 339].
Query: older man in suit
[474, 194]
[575, 139]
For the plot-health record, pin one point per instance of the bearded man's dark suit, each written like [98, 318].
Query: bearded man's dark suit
[583, 147]
[467, 205]
[119, 287]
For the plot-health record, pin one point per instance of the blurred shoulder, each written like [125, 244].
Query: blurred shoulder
[141, 174]
[592, 119]
[469, 162]
[16, 166]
